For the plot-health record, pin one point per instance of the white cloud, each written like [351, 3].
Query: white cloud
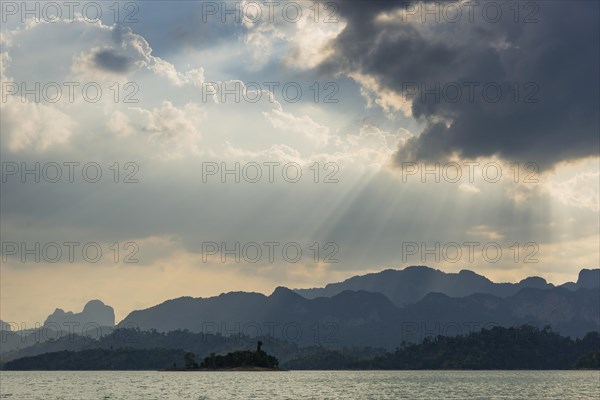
[302, 126]
[119, 124]
[465, 187]
[308, 39]
[31, 126]
[175, 130]
[387, 99]
[28, 125]
[580, 190]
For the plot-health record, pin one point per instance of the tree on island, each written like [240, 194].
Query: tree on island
[236, 359]
[190, 360]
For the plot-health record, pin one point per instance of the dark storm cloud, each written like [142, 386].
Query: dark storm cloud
[108, 60]
[551, 117]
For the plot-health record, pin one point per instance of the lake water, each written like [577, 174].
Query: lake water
[300, 385]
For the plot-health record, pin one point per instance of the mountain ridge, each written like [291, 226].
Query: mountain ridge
[362, 318]
[408, 285]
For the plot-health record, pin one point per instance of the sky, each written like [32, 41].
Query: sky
[158, 149]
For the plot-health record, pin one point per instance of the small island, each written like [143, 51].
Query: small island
[241, 360]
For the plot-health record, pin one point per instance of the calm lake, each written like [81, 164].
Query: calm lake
[301, 385]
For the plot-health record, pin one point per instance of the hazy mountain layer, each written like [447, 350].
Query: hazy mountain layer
[413, 283]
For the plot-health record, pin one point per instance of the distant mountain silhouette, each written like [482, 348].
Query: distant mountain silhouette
[95, 313]
[571, 313]
[284, 313]
[376, 310]
[413, 283]
[588, 278]
[95, 319]
[360, 318]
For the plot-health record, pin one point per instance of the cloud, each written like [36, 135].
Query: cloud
[31, 126]
[555, 115]
[581, 190]
[111, 61]
[390, 101]
[304, 125]
[469, 188]
[174, 129]
[119, 124]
